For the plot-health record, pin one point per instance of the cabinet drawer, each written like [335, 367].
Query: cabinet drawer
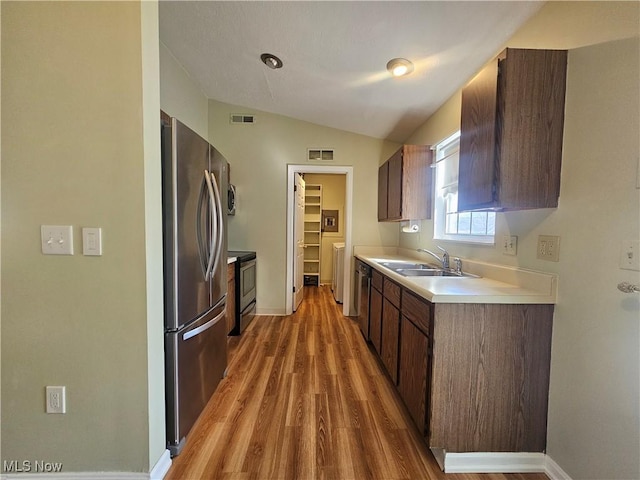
[376, 280]
[391, 292]
[417, 310]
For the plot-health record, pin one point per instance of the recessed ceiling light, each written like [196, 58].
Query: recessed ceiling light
[399, 67]
[271, 61]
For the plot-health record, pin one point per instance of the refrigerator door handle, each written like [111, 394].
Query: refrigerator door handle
[220, 237]
[202, 251]
[214, 222]
[204, 327]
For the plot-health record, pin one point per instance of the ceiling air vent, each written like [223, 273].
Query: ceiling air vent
[241, 118]
[320, 155]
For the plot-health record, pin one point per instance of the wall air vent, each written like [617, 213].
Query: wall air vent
[241, 118]
[320, 154]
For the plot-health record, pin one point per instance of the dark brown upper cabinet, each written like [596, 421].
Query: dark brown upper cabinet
[404, 185]
[511, 132]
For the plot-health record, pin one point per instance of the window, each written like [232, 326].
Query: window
[449, 224]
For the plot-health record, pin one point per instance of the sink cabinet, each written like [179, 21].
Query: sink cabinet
[511, 127]
[414, 360]
[404, 185]
[390, 327]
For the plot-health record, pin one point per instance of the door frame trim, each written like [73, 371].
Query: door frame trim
[348, 218]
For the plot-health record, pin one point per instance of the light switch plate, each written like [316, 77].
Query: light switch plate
[56, 239]
[92, 241]
[509, 244]
[630, 255]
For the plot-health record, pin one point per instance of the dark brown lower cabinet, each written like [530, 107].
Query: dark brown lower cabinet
[413, 376]
[375, 320]
[390, 336]
[474, 377]
[490, 377]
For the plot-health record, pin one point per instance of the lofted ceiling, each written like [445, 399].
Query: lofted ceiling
[335, 55]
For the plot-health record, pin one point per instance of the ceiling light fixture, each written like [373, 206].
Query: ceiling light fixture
[271, 61]
[399, 67]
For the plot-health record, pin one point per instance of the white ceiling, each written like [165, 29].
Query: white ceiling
[335, 55]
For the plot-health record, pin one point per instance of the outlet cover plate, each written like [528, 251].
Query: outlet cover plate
[548, 248]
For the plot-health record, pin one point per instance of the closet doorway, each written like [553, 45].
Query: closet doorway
[330, 219]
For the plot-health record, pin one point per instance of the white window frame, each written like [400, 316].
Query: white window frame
[445, 149]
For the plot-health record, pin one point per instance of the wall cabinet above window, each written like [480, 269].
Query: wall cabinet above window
[404, 185]
[511, 129]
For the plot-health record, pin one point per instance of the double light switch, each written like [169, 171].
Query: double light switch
[58, 240]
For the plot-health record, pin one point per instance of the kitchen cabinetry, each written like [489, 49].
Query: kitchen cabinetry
[390, 327]
[312, 233]
[414, 368]
[375, 311]
[230, 311]
[404, 185]
[511, 127]
[473, 377]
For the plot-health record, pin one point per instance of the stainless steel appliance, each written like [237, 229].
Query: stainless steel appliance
[363, 292]
[245, 289]
[195, 275]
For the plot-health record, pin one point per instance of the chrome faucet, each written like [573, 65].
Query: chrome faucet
[445, 256]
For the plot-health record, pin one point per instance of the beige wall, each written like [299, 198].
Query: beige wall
[78, 150]
[333, 198]
[259, 155]
[180, 97]
[593, 426]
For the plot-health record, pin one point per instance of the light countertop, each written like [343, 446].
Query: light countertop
[497, 283]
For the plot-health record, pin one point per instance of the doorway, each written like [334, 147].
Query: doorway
[348, 196]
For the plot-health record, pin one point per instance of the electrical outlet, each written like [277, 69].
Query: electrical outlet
[548, 248]
[630, 255]
[56, 399]
[509, 245]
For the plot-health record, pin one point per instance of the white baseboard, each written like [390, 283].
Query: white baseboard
[275, 312]
[161, 467]
[158, 472]
[498, 462]
[553, 470]
[494, 462]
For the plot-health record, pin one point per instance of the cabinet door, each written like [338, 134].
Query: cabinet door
[375, 319]
[477, 169]
[383, 184]
[414, 372]
[390, 337]
[394, 189]
[416, 182]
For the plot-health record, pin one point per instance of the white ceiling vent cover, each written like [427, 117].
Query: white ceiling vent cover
[242, 118]
[320, 154]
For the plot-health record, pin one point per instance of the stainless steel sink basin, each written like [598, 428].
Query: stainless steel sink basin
[433, 273]
[407, 265]
[409, 269]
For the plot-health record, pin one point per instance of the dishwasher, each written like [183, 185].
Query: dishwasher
[363, 291]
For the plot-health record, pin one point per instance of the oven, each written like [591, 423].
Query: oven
[245, 289]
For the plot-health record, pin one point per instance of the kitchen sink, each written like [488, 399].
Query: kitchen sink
[409, 269]
[407, 265]
[408, 272]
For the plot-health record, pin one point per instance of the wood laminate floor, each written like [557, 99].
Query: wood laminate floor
[305, 398]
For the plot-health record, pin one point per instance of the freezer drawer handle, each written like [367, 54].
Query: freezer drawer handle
[202, 328]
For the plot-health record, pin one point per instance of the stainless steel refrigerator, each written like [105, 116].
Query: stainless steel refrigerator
[194, 177]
